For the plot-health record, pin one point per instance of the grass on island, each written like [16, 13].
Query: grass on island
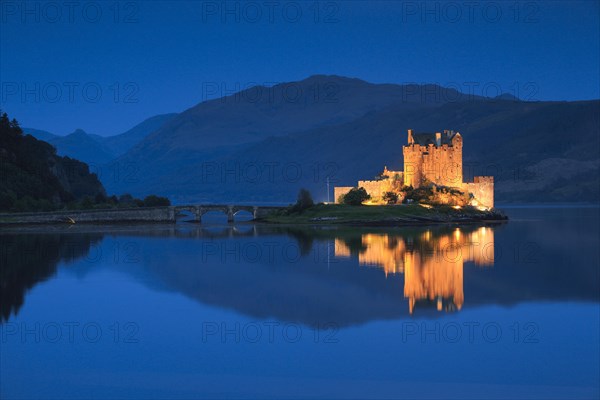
[341, 213]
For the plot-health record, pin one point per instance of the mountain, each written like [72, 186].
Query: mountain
[78, 144]
[537, 152]
[261, 112]
[83, 146]
[96, 149]
[119, 144]
[507, 96]
[40, 134]
[263, 149]
[34, 177]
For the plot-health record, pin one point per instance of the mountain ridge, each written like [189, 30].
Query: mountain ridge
[352, 129]
[99, 150]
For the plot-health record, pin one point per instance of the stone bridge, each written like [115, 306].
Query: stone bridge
[142, 214]
[229, 210]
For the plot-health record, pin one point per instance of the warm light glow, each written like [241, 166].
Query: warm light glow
[431, 269]
[425, 205]
[457, 234]
[457, 207]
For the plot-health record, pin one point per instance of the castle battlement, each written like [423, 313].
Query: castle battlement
[433, 158]
[483, 179]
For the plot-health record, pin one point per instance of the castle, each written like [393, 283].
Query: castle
[431, 160]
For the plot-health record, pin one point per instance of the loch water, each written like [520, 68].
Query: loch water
[214, 310]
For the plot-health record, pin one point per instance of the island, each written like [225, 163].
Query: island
[430, 189]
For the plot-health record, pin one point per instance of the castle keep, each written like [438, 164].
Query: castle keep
[431, 160]
[435, 158]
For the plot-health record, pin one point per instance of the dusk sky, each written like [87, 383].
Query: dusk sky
[105, 66]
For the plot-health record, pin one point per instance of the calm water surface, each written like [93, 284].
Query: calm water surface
[249, 311]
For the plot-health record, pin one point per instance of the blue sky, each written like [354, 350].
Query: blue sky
[105, 66]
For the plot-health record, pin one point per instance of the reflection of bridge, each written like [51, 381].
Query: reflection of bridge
[229, 210]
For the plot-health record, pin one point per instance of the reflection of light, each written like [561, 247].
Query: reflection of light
[432, 262]
[425, 205]
[482, 208]
[457, 207]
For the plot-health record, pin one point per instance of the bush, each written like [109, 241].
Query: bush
[100, 198]
[87, 203]
[356, 196]
[156, 201]
[7, 201]
[423, 194]
[390, 197]
[126, 198]
[304, 201]
[433, 194]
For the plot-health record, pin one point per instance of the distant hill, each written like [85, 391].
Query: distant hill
[245, 148]
[249, 146]
[34, 177]
[121, 143]
[82, 146]
[507, 96]
[261, 112]
[40, 134]
[99, 150]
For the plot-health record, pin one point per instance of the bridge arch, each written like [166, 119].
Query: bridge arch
[229, 210]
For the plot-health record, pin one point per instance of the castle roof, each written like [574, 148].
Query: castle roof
[425, 139]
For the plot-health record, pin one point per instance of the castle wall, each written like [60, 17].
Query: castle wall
[413, 162]
[339, 191]
[440, 165]
[482, 189]
[376, 188]
[393, 174]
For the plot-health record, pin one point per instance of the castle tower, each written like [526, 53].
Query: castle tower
[413, 162]
[433, 157]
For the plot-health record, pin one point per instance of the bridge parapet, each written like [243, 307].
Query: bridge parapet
[230, 210]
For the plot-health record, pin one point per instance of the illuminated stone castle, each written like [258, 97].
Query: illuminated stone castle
[430, 159]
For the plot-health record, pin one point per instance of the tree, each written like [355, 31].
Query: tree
[304, 199]
[156, 201]
[100, 198]
[356, 196]
[87, 203]
[34, 178]
[126, 198]
[390, 197]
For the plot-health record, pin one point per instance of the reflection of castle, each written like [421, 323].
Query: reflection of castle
[430, 158]
[432, 264]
